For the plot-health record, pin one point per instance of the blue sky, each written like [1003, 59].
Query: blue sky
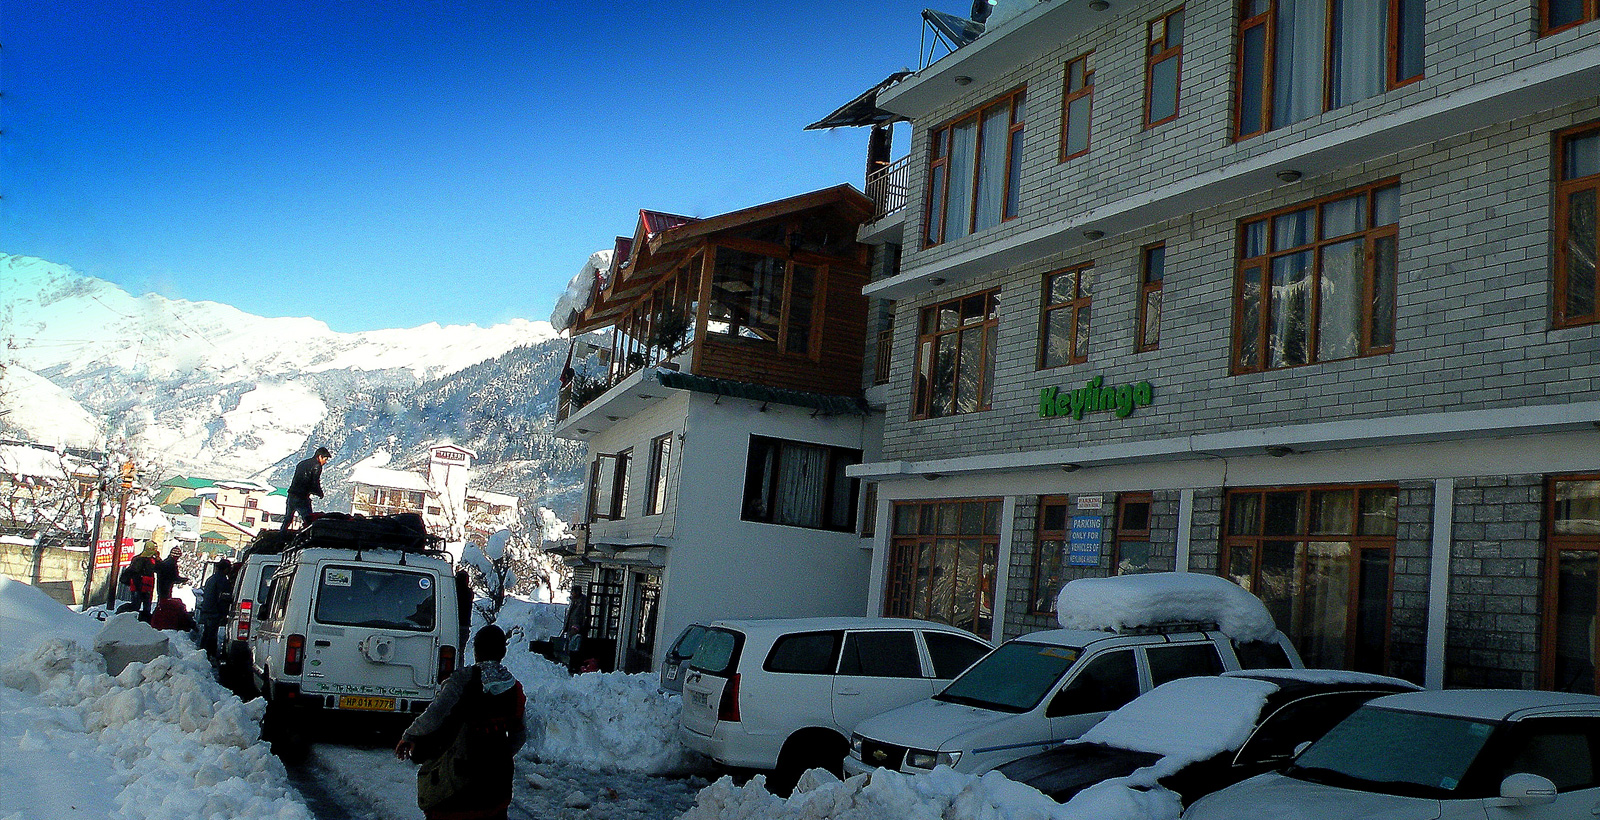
[391, 163]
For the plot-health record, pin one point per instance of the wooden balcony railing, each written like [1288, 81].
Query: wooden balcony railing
[889, 187]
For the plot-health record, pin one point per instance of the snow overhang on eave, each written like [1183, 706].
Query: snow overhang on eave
[1304, 438]
[998, 52]
[1521, 93]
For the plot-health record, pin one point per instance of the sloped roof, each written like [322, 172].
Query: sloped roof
[190, 482]
[863, 110]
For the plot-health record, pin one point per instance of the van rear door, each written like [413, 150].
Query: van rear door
[712, 672]
[374, 636]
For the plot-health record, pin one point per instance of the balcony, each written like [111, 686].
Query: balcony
[889, 187]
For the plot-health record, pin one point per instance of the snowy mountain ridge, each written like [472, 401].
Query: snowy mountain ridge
[207, 389]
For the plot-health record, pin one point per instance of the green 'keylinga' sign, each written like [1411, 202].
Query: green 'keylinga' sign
[1094, 398]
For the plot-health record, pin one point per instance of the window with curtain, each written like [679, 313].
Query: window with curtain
[955, 355]
[1299, 58]
[1152, 270]
[1064, 333]
[943, 558]
[1163, 58]
[1321, 559]
[1131, 540]
[800, 485]
[1317, 282]
[1049, 554]
[1076, 105]
[974, 170]
[1572, 585]
[1577, 188]
[1560, 15]
[660, 461]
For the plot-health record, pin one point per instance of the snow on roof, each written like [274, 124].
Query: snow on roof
[579, 291]
[1128, 601]
[385, 477]
[497, 499]
[23, 460]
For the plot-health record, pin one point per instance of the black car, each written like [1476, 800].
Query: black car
[1206, 733]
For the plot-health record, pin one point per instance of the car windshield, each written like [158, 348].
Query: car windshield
[381, 598]
[1392, 752]
[1013, 678]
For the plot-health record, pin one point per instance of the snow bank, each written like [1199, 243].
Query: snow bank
[160, 741]
[1125, 601]
[125, 639]
[608, 721]
[938, 795]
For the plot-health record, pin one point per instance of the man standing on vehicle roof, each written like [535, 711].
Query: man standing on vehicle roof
[307, 482]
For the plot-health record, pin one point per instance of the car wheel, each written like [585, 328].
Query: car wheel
[806, 750]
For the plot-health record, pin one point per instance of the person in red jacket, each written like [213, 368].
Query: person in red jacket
[140, 578]
[172, 614]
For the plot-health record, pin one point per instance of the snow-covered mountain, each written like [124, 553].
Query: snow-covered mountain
[207, 389]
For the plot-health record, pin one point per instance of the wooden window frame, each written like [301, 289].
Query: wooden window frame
[1358, 542]
[1269, 19]
[836, 456]
[928, 345]
[660, 469]
[1565, 189]
[1154, 56]
[1590, 13]
[1120, 534]
[1262, 264]
[1142, 344]
[1070, 95]
[1078, 305]
[1041, 535]
[616, 504]
[899, 599]
[1549, 598]
[939, 157]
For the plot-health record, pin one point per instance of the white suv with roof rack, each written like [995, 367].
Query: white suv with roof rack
[363, 617]
[1128, 635]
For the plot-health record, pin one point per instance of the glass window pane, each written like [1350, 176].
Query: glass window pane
[963, 155]
[1564, 12]
[1385, 257]
[949, 518]
[1105, 683]
[802, 293]
[1327, 593]
[1380, 511]
[1053, 517]
[1577, 584]
[992, 167]
[811, 653]
[969, 577]
[1291, 310]
[1078, 124]
[1075, 75]
[1047, 578]
[944, 377]
[1359, 61]
[1372, 610]
[1241, 570]
[1244, 514]
[1252, 78]
[972, 309]
[935, 230]
[1408, 52]
[1164, 89]
[1175, 29]
[1133, 557]
[1386, 206]
[1580, 253]
[972, 518]
[1279, 589]
[1283, 513]
[1577, 508]
[1182, 661]
[1291, 230]
[949, 315]
[1155, 264]
[969, 388]
[925, 379]
[881, 655]
[942, 608]
[1343, 216]
[1332, 512]
[905, 519]
[952, 654]
[1013, 176]
[989, 335]
[1298, 61]
[1152, 318]
[1582, 156]
[1249, 318]
[380, 598]
[1340, 292]
[1135, 516]
[1255, 239]
[1062, 287]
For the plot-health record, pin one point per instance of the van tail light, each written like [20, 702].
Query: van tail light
[242, 631]
[728, 708]
[447, 661]
[294, 657]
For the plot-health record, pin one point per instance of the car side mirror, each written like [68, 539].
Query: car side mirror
[1524, 789]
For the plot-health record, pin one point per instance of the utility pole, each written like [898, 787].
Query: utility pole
[125, 487]
[94, 536]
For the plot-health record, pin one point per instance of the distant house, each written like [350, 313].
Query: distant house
[448, 507]
[219, 515]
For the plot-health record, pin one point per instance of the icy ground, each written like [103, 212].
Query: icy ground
[162, 740]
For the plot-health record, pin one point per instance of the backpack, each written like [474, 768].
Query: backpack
[468, 755]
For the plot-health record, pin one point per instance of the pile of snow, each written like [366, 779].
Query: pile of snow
[160, 741]
[938, 795]
[1127, 601]
[579, 292]
[44, 411]
[125, 639]
[536, 619]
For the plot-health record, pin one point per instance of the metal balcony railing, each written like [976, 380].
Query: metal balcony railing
[889, 187]
[881, 370]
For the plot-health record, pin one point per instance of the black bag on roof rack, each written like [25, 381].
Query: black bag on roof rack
[267, 542]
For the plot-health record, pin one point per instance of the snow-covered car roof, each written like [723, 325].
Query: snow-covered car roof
[1488, 704]
[1124, 602]
[1320, 676]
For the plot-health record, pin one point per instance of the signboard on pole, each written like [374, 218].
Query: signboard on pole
[1084, 545]
[102, 555]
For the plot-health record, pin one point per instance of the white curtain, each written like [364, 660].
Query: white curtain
[1360, 55]
[802, 478]
[957, 210]
[1297, 66]
[992, 167]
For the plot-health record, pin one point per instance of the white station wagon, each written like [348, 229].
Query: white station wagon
[784, 694]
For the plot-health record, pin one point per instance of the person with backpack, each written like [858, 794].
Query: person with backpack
[467, 738]
[140, 578]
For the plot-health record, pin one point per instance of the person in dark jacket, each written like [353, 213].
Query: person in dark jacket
[167, 574]
[214, 604]
[140, 577]
[467, 738]
[307, 482]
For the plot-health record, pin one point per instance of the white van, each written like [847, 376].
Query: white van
[783, 694]
[251, 576]
[363, 617]
[1040, 690]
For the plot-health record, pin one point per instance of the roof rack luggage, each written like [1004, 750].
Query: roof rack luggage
[403, 532]
[267, 542]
